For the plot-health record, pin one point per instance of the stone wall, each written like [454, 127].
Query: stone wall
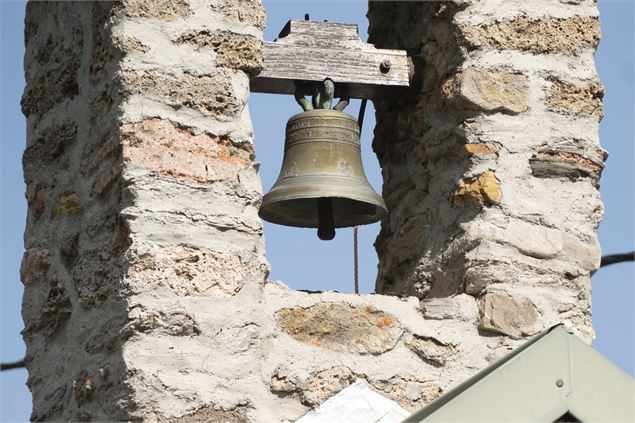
[143, 197]
[491, 168]
[146, 292]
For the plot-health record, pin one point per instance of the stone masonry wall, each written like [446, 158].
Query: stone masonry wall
[491, 169]
[143, 196]
[146, 293]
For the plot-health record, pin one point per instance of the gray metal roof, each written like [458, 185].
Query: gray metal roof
[555, 374]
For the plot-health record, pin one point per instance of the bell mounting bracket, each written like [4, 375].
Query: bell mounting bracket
[306, 53]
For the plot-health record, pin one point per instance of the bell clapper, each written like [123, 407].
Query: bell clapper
[326, 224]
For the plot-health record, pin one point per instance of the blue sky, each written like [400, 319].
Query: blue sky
[297, 257]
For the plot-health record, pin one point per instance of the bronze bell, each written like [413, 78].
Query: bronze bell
[322, 183]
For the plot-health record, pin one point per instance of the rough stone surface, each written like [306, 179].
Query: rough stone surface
[412, 394]
[130, 45]
[210, 95]
[341, 327]
[248, 12]
[233, 51]
[203, 414]
[35, 200]
[35, 263]
[325, 384]
[489, 91]
[136, 211]
[501, 313]
[51, 144]
[431, 350]
[177, 323]
[165, 10]
[564, 164]
[538, 36]
[55, 312]
[56, 78]
[583, 99]
[189, 270]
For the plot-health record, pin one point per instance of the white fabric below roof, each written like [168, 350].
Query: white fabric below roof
[357, 404]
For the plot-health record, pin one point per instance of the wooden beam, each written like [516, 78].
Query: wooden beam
[307, 52]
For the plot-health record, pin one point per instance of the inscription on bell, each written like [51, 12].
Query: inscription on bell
[294, 125]
[326, 134]
[345, 168]
[291, 171]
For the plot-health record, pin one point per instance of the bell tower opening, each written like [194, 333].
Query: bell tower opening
[297, 256]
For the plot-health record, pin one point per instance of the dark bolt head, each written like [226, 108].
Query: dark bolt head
[559, 383]
[385, 65]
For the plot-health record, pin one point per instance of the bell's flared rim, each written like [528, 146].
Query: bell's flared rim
[294, 206]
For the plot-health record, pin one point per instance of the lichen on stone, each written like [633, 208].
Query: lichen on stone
[341, 327]
[67, 204]
[483, 189]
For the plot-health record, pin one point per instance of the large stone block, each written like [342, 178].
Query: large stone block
[35, 263]
[488, 90]
[507, 315]
[578, 99]
[234, 51]
[188, 270]
[564, 164]
[431, 350]
[342, 327]
[535, 35]
[483, 190]
[35, 198]
[461, 307]
[161, 147]
[210, 95]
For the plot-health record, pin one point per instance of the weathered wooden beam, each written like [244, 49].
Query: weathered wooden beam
[308, 52]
